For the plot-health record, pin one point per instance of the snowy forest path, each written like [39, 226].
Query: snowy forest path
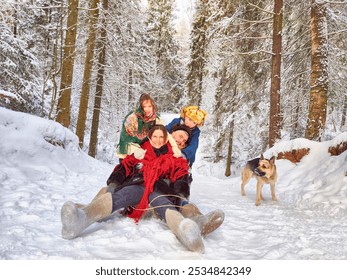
[273, 230]
[32, 196]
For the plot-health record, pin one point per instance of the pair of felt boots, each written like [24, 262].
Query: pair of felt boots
[189, 224]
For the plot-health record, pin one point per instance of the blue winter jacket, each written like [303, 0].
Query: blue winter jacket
[189, 151]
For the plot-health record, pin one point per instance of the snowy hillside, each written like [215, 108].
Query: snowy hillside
[41, 167]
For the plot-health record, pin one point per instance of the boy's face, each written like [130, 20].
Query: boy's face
[180, 137]
[189, 122]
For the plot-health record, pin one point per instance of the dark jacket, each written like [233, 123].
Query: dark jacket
[119, 180]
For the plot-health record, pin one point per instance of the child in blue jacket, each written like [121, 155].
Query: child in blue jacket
[193, 117]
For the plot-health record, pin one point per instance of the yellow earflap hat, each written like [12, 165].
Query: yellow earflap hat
[196, 114]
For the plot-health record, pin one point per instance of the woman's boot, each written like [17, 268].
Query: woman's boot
[207, 223]
[186, 230]
[100, 193]
[75, 219]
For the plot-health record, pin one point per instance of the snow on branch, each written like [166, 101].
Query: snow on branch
[261, 9]
[7, 94]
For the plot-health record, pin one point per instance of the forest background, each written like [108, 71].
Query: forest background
[265, 70]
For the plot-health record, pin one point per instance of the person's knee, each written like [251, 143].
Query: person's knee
[161, 204]
[182, 186]
[127, 196]
[117, 176]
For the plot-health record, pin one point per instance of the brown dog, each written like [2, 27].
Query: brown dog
[265, 172]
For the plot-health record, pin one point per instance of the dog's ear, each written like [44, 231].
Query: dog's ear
[272, 159]
[261, 157]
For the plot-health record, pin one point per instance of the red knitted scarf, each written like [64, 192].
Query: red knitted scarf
[166, 166]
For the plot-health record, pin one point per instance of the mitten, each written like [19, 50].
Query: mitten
[182, 185]
[138, 166]
[139, 153]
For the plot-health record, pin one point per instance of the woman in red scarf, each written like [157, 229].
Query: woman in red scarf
[157, 163]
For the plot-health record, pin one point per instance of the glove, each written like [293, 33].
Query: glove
[176, 152]
[139, 153]
[138, 166]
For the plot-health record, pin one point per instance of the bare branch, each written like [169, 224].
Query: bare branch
[264, 20]
[261, 9]
[253, 52]
[337, 32]
[337, 3]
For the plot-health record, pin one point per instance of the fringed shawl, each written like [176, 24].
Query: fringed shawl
[164, 166]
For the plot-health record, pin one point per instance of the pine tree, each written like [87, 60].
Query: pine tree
[63, 108]
[196, 67]
[88, 66]
[168, 90]
[275, 117]
[93, 144]
[319, 71]
[296, 63]
[337, 59]
[240, 92]
[19, 72]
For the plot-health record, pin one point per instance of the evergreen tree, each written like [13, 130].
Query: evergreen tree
[296, 64]
[337, 61]
[168, 90]
[19, 71]
[319, 71]
[239, 110]
[128, 70]
[275, 117]
[196, 67]
[87, 74]
[93, 144]
[63, 109]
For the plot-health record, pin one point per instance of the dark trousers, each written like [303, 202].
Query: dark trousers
[131, 196]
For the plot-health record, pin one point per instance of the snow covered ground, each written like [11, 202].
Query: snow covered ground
[36, 178]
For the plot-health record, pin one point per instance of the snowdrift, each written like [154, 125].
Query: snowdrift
[320, 176]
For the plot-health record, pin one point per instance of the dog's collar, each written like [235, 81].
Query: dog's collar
[259, 173]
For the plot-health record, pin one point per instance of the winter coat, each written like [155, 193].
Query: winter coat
[189, 151]
[157, 166]
[134, 131]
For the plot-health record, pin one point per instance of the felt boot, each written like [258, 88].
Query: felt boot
[186, 230]
[207, 223]
[100, 193]
[75, 219]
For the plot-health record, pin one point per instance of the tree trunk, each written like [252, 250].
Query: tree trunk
[344, 113]
[319, 72]
[99, 85]
[230, 150]
[231, 135]
[88, 66]
[275, 109]
[56, 57]
[131, 97]
[63, 108]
